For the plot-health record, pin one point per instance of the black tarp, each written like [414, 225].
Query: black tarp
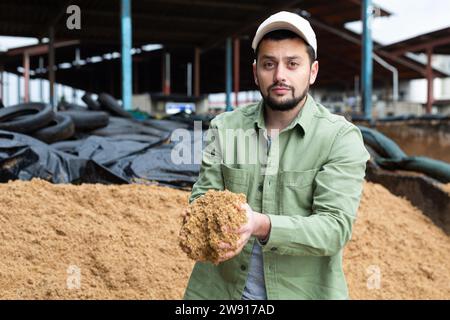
[23, 157]
[122, 152]
[390, 156]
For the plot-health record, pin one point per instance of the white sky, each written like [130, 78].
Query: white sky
[408, 18]
[13, 42]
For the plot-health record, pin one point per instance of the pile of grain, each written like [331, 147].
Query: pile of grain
[207, 218]
[116, 242]
[397, 243]
[121, 242]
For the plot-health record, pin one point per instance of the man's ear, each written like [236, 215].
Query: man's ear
[314, 72]
[254, 73]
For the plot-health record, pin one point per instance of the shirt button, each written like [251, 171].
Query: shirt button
[243, 267]
[273, 249]
[260, 188]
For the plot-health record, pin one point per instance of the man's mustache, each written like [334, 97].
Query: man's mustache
[279, 85]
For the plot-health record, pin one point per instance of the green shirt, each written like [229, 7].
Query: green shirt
[309, 183]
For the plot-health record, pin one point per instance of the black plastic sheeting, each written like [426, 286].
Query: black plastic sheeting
[126, 151]
[403, 117]
[390, 156]
[384, 146]
[436, 169]
[158, 163]
[23, 157]
[130, 151]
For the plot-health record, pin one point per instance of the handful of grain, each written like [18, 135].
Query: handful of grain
[202, 232]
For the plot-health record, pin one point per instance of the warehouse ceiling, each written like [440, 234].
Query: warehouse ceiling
[181, 26]
[201, 23]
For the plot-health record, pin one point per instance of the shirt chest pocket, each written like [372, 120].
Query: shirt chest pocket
[296, 192]
[235, 180]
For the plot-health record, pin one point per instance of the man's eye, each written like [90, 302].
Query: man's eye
[293, 64]
[268, 64]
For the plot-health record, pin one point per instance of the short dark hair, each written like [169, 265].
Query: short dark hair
[278, 35]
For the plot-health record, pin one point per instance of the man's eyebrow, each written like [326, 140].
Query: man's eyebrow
[293, 57]
[266, 56]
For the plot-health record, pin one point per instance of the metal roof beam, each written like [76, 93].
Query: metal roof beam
[422, 46]
[357, 41]
[87, 14]
[147, 34]
[40, 49]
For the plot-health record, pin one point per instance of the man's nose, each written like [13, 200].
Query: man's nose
[280, 74]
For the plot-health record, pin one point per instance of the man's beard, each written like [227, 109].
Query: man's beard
[284, 105]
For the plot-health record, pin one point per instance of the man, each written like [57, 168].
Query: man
[304, 193]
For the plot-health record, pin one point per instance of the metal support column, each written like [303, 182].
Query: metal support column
[19, 98]
[367, 66]
[127, 68]
[357, 94]
[6, 83]
[26, 76]
[197, 72]
[51, 66]
[55, 98]
[166, 74]
[229, 66]
[236, 70]
[1, 83]
[189, 79]
[41, 81]
[429, 73]
[77, 58]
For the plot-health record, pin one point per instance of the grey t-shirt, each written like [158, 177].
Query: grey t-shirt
[255, 288]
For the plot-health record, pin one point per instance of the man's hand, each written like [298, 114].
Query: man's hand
[257, 224]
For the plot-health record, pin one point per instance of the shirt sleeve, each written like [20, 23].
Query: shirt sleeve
[338, 188]
[210, 176]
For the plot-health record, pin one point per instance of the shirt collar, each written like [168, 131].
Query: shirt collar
[302, 120]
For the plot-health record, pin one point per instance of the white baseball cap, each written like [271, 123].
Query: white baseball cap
[284, 20]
